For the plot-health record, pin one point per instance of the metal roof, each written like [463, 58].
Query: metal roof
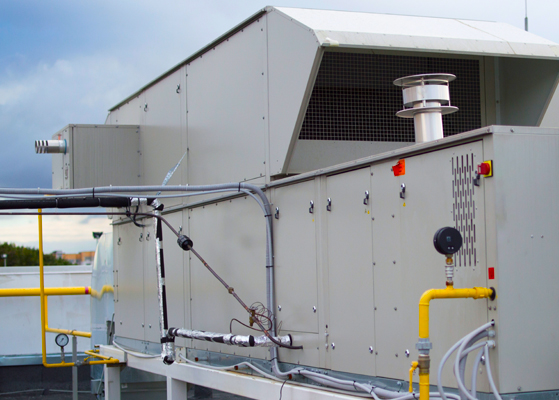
[397, 32]
[368, 30]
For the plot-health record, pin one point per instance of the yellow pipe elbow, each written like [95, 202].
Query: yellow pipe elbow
[414, 366]
[448, 293]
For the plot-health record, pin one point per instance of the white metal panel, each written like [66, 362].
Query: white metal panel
[551, 116]
[351, 323]
[426, 33]
[104, 155]
[406, 263]
[129, 282]
[61, 162]
[309, 155]
[230, 236]
[526, 218]
[295, 258]
[292, 53]
[161, 133]
[152, 331]
[129, 113]
[227, 110]
[177, 293]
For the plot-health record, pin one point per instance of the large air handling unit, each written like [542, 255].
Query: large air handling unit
[364, 205]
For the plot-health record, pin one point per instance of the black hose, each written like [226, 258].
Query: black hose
[70, 202]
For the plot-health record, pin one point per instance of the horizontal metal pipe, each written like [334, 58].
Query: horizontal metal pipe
[55, 291]
[228, 338]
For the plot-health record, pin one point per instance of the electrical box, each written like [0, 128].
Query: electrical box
[97, 155]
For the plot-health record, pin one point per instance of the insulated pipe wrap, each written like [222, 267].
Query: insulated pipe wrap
[228, 338]
[72, 202]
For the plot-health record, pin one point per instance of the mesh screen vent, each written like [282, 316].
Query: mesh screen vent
[354, 98]
[464, 208]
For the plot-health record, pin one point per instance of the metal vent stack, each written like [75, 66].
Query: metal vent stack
[426, 100]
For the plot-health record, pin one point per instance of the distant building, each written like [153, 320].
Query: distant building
[81, 258]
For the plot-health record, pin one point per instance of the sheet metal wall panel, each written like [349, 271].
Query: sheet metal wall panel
[161, 134]
[174, 274]
[231, 237]
[61, 162]
[526, 218]
[406, 263]
[129, 113]
[129, 281]
[227, 110]
[151, 302]
[104, 155]
[295, 258]
[293, 51]
[309, 355]
[526, 86]
[351, 322]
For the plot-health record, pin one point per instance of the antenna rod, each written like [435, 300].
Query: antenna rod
[526, 18]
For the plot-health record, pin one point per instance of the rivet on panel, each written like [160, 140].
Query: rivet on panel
[407, 353]
[279, 308]
[396, 354]
[333, 345]
[395, 308]
[371, 350]
[314, 309]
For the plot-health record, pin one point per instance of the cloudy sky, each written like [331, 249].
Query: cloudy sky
[64, 61]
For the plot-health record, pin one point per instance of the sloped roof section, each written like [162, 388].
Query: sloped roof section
[398, 32]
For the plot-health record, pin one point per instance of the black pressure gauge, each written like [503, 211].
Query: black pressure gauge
[61, 339]
[447, 240]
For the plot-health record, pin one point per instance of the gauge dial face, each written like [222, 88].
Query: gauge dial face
[62, 339]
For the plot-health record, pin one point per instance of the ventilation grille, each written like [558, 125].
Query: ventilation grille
[464, 208]
[354, 97]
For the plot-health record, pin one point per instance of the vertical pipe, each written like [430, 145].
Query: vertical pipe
[42, 288]
[167, 343]
[74, 368]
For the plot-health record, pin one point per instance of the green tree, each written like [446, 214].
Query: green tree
[20, 256]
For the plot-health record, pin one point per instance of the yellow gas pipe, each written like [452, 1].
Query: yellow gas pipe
[448, 293]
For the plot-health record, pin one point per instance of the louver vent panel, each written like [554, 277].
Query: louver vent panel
[464, 208]
[354, 98]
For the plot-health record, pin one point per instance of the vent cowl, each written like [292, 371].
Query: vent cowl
[426, 100]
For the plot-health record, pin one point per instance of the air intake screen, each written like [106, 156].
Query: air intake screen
[354, 98]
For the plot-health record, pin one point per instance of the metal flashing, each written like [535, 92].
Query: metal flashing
[415, 33]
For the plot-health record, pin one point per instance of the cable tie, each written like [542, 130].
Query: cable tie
[93, 190]
[267, 215]
[239, 187]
